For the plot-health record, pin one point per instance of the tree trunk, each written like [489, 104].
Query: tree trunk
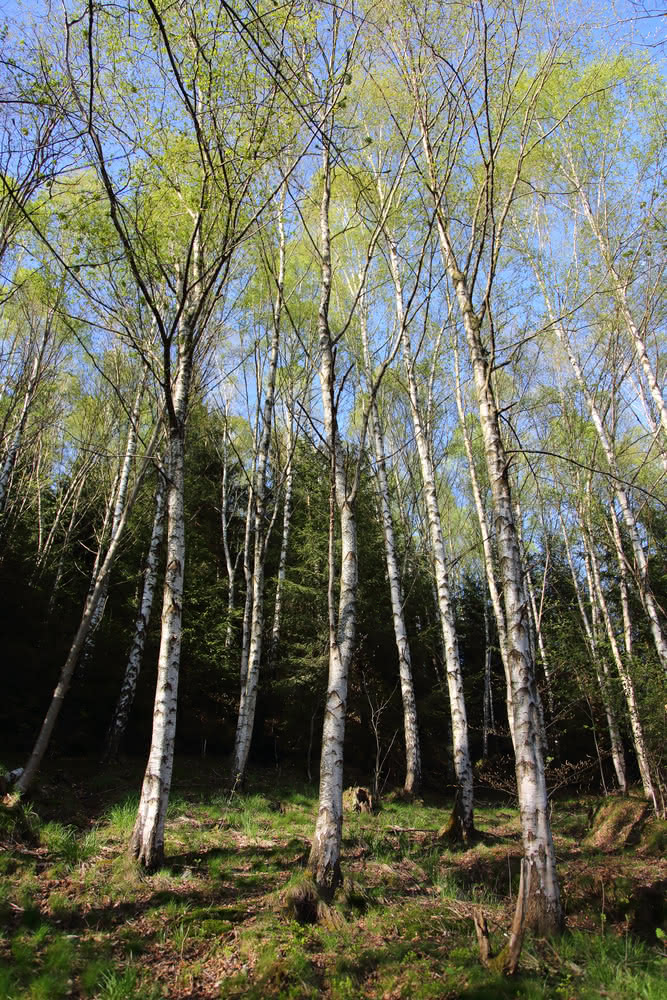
[601, 671]
[248, 698]
[498, 612]
[412, 782]
[641, 562]
[147, 841]
[543, 906]
[620, 290]
[230, 564]
[463, 819]
[282, 561]
[488, 723]
[93, 597]
[128, 689]
[622, 581]
[624, 674]
[117, 501]
[324, 859]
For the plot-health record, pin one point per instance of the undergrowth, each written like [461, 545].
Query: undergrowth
[79, 919]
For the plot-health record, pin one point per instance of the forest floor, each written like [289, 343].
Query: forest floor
[77, 918]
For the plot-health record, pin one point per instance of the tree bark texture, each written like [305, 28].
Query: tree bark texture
[464, 818]
[129, 686]
[543, 906]
[412, 781]
[324, 859]
[599, 665]
[249, 684]
[147, 841]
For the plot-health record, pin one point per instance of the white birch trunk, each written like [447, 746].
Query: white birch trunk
[147, 841]
[622, 582]
[118, 502]
[249, 684]
[129, 686]
[92, 598]
[230, 564]
[649, 415]
[282, 561]
[641, 562]
[487, 704]
[498, 612]
[536, 642]
[626, 678]
[543, 907]
[463, 819]
[412, 781]
[601, 670]
[620, 289]
[324, 859]
[247, 604]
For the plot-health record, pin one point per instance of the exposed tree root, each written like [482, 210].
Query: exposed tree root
[507, 959]
[305, 904]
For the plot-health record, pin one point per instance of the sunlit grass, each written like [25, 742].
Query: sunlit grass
[79, 917]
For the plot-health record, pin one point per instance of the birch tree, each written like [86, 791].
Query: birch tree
[250, 675]
[476, 98]
[209, 183]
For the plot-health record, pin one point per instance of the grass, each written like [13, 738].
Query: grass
[78, 919]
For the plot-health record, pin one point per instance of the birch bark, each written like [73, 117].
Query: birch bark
[282, 560]
[498, 611]
[543, 907]
[463, 818]
[641, 562]
[599, 665]
[325, 850]
[249, 684]
[147, 840]
[118, 501]
[230, 564]
[620, 290]
[128, 689]
[101, 580]
[412, 781]
[626, 678]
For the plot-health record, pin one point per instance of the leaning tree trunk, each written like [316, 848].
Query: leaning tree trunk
[463, 818]
[128, 689]
[641, 562]
[101, 581]
[620, 290]
[117, 504]
[600, 667]
[147, 841]
[623, 671]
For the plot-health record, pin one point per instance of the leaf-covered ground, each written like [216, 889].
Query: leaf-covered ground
[78, 919]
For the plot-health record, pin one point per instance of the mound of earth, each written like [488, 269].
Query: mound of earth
[617, 823]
